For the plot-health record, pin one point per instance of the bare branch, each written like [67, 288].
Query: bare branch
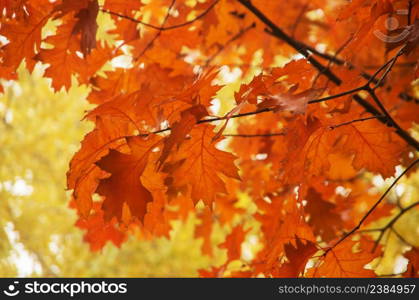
[255, 135]
[302, 49]
[150, 44]
[355, 121]
[163, 28]
[374, 207]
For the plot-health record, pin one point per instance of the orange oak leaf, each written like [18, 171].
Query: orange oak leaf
[348, 259]
[297, 258]
[295, 103]
[124, 185]
[87, 26]
[198, 164]
[374, 146]
[62, 59]
[99, 232]
[24, 36]
[123, 6]
[83, 174]
[322, 215]
[180, 129]
[204, 230]
[234, 241]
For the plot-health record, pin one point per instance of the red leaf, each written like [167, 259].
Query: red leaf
[124, 185]
[233, 242]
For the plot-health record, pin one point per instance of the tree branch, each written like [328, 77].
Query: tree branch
[302, 49]
[374, 207]
[162, 28]
[255, 135]
[392, 222]
[150, 44]
[355, 121]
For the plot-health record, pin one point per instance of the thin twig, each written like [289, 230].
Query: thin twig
[393, 221]
[355, 121]
[225, 45]
[162, 28]
[373, 208]
[255, 135]
[302, 49]
[150, 44]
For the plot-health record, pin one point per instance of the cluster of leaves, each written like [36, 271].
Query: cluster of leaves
[299, 138]
[38, 236]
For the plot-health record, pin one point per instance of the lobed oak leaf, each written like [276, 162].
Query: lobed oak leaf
[233, 242]
[297, 257]
[124, 185]
[225, 206]
[87, 26]
[359, 202]
[376, 10]
[204, 230]
[278, 232]
[24, 37]
[180, 129]
[322, 215]
[62, 59]
[249, 92]
[345, 260]
[295, 103]
[198, 164]
[201, 91]
[83, 174]
[99, 232]
[374, 146]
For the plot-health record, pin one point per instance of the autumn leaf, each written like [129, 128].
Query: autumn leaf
[180, 129]
[83, 175]
[345, 260]
[322, 215]
[62, 59]
[233, 242]
[124, 185]
[296, 103]
[98, 232]
[198, 164]
[374, 147]
[297, 258]
[204, 231]
[221, 117]
[24, 37]
[86, 25]
[413, 265]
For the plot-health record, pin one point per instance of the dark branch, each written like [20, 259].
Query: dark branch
[255, 135]
[392, 222]
[374, 207]
[163, 28]
[234, 38]
[302, 49]
[355, 121]
[150, 44]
